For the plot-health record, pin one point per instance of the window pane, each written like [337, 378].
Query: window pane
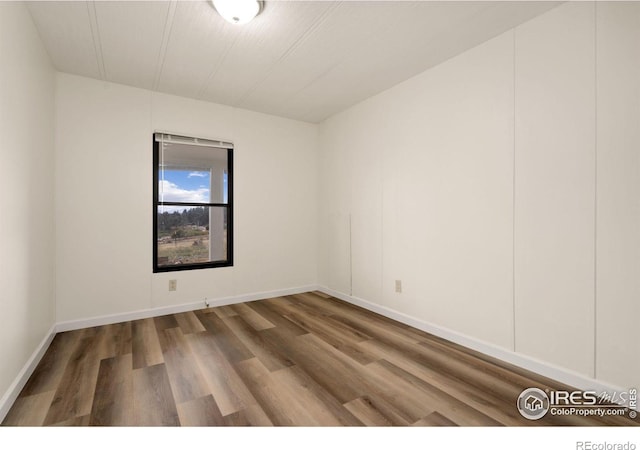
[218, 233]
[191, 235]
[194, 174]
[188, 186]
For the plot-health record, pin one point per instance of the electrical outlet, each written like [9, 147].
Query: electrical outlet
[399, 286]
[173, 285]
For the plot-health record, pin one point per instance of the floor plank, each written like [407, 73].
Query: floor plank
[113, 399]
[344, 342]
[253, 416]
[153, 402]
[325, 368]
[223, 311]
[81, 421]
[375, 412]
[255, 343]
[74, 396]
[297, 376]
[200, 412]
[312, 399]
[185, 377]
[228, 390]
[165, 322]
[300, 360]
[435, 419]
[46, 377]
[444, 392]
[280, 322]
[189, 323]
[145, 345]
[277, 400]
[113, 340]
[30, 411]
[252, 317]
[233, 349]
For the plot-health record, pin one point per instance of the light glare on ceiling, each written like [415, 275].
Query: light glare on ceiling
[237, 12]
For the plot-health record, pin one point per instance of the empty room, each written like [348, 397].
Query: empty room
[320, 214]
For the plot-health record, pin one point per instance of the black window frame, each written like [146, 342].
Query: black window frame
[156, 203]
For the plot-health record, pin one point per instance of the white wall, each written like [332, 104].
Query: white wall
[104, 216]
[425, 173]
[26, 191]
[555, 187]
[618, 193]
[502, 188]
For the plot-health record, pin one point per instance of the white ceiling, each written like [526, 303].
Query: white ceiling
[305, 60]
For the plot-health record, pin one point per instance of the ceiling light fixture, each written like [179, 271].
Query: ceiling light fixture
[237, 12]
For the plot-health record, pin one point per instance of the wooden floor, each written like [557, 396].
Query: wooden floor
[305, 359]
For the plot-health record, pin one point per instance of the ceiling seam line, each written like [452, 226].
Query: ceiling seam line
[295, 94]
[166, 35]
[312, 29]
[303, 37]
[95, 35]
[216, 69]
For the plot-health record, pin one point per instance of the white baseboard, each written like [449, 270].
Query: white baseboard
[174, 309]
[15, 388]
[563, 375]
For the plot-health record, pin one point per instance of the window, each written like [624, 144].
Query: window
[192, 203]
